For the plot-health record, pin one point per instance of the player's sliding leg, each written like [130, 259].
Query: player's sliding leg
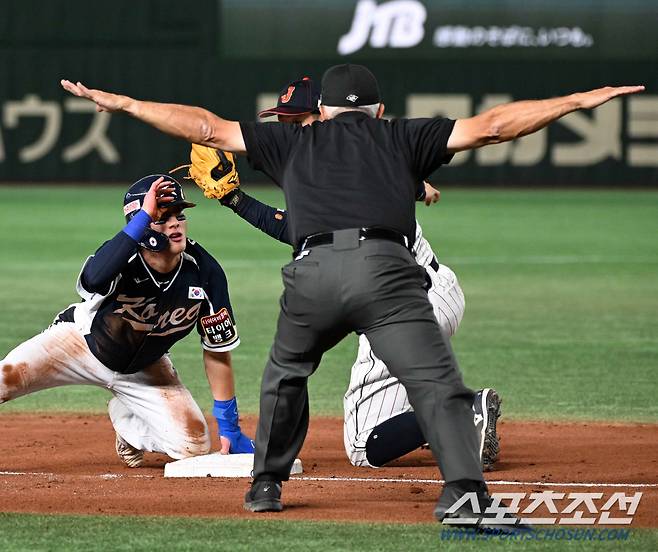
[57, 356]
[392, 439]
[379, 422]
[401, 434]
[153, 411]
[60, 356]
[372, 399]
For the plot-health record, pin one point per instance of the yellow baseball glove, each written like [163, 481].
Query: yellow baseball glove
[214, 171]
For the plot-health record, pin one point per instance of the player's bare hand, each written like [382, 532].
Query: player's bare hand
[104, 101]
[156, 199]
[225, 443]
[432, 195]
[595, 98]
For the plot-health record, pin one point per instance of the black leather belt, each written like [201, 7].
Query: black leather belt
[434, 264]
[326, 238]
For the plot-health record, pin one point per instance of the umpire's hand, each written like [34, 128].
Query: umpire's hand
[432, 195]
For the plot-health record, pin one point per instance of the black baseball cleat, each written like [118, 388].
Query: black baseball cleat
[472, 512]
[486, 411]
[264, 496]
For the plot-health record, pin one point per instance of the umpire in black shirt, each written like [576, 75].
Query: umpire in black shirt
[349, 183]
[350, 186]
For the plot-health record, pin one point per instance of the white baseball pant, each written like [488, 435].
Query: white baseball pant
[151, 410]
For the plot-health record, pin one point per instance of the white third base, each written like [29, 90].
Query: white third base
[218, 465]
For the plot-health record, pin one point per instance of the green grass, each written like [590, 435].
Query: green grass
[90, 533]
[562, 318]
[561, 290]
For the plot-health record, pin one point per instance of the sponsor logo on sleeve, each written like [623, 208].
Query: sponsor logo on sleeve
[219, 328]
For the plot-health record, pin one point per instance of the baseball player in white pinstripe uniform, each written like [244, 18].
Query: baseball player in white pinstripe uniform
[379, 422]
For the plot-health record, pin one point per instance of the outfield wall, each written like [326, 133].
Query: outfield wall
[232, 56]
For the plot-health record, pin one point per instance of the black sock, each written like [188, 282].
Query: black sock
[393, 438]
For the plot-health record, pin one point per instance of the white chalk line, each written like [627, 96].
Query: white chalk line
[78, 476]
[109, 476]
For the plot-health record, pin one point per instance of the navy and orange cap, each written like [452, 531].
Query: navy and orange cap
[297, 98]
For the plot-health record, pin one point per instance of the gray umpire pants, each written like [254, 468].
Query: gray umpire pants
[373, 287]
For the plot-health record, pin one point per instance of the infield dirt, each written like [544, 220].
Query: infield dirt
[67, 464]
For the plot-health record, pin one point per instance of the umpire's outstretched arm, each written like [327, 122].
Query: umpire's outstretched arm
[499, 124]
[513, 120]
[194, 124]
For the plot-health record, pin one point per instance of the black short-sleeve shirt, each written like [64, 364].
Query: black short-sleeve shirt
[349, 172]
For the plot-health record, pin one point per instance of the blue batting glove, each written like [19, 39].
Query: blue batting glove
[226, 414]
[240, 443]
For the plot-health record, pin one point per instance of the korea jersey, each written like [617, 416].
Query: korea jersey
[143, 313]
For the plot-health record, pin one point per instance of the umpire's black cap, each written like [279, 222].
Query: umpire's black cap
[349, 85]
[297, 98]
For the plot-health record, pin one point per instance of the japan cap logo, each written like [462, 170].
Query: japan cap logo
[286, 97]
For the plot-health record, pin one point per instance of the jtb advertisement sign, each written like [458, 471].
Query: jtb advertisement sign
[232, 57]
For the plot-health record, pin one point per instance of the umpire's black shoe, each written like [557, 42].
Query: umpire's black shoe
[264, 496]
[472, 513]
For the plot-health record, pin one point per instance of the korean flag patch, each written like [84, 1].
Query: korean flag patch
[195, 293]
